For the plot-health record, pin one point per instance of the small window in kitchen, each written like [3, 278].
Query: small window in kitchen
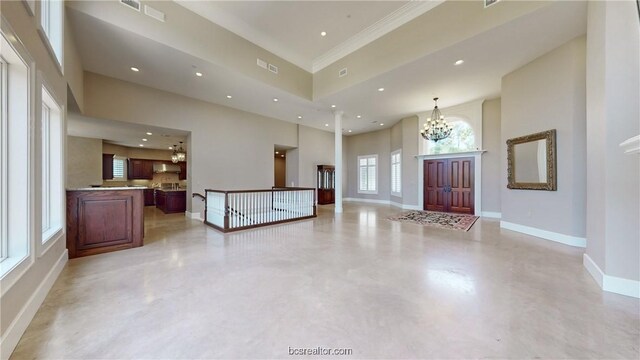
[119, 168]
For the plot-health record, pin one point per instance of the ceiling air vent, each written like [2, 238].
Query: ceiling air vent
[156, 14]
[488, 3]
[134, 4]
[261, 63]
[273, 68]
[342, 72]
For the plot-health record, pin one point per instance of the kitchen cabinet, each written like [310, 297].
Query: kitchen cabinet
[149, 197]
[102, 220]
[140, 169]
[107, 166]
[183, 170]
[171, 201]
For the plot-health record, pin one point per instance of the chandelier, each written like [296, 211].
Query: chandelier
[181, 154]
[174, 156]
[436, 128]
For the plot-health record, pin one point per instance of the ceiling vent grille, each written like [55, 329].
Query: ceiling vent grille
[273, 68]
[134, 4]
[342, 72]
[154, 13]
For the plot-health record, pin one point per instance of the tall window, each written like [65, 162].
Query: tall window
[368, 174]
[119, 168]
[51, 21]
[51, 150]
[15, 177]
[396, 173]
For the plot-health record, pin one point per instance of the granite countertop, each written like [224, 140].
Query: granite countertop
[170, 190]
[114, 188]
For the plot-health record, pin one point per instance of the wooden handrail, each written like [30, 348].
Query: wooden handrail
[199, 195]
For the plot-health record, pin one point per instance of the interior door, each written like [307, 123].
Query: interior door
[460, 190]
[435, 184]
[448, 185]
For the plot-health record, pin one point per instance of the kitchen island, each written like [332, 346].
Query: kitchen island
[104, 219]
[171, 201]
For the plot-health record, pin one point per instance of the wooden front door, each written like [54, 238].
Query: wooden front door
[448, 185]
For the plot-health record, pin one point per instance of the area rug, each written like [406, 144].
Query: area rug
[437, 219]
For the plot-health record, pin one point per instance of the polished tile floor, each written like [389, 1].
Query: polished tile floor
[357, 281]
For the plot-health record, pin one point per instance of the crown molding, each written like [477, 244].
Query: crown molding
[401, 16]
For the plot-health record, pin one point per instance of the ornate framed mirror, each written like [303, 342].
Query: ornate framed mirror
[531, 162]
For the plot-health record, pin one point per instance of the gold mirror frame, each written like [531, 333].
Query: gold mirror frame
[551, 184]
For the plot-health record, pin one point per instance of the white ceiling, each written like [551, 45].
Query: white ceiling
[110, 50]
[291, 29]
[122, 133]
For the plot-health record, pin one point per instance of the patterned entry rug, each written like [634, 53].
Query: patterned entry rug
[437, 219]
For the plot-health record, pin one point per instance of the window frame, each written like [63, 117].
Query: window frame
[376, 166]
[4, 237]
[20, 252]
[52, 33]
[398, 153]
[52, 169]
[124, 168]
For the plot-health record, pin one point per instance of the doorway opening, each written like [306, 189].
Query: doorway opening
[279, 167]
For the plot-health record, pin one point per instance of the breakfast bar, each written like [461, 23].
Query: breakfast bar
[104, 219]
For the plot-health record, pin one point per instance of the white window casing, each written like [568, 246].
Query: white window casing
[396, 173]
[368, 174]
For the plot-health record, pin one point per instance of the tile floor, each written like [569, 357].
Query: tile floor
[358, 281]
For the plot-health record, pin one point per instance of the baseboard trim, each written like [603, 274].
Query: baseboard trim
[609, 283]
[491, 214]
[383, 202]
[544, 234]
[194, 215]
[19, 325]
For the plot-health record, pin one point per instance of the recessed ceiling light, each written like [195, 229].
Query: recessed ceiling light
[149, 133]
[282, 155]
[170, 147]
[141, 145]
[133, 68]
[459, 62]
[198, 73]
[358, 116]
[349, 130]
[324, 33]
[326, 124]
[275, 99]
[381, 124]
[229, 97]
[299, 116]
[333, 106]
[381, 89]
[144, 139]
[277, 152]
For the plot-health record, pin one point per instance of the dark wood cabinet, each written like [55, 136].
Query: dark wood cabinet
[140, 169]
[100, 221]
[448, 185]
[326, 184]
[171, 201]
[107, 166]
[183, 170]
[149, 197]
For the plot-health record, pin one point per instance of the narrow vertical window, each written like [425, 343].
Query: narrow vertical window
[396, 173]
[4, 245]
[51, 169]
[368, 174]
[51, 23]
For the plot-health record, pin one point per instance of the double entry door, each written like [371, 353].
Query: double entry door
[448, 185]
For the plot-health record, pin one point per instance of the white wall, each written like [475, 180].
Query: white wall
[613, 115]
[491, 160]
[24, 288]
[549, 93]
